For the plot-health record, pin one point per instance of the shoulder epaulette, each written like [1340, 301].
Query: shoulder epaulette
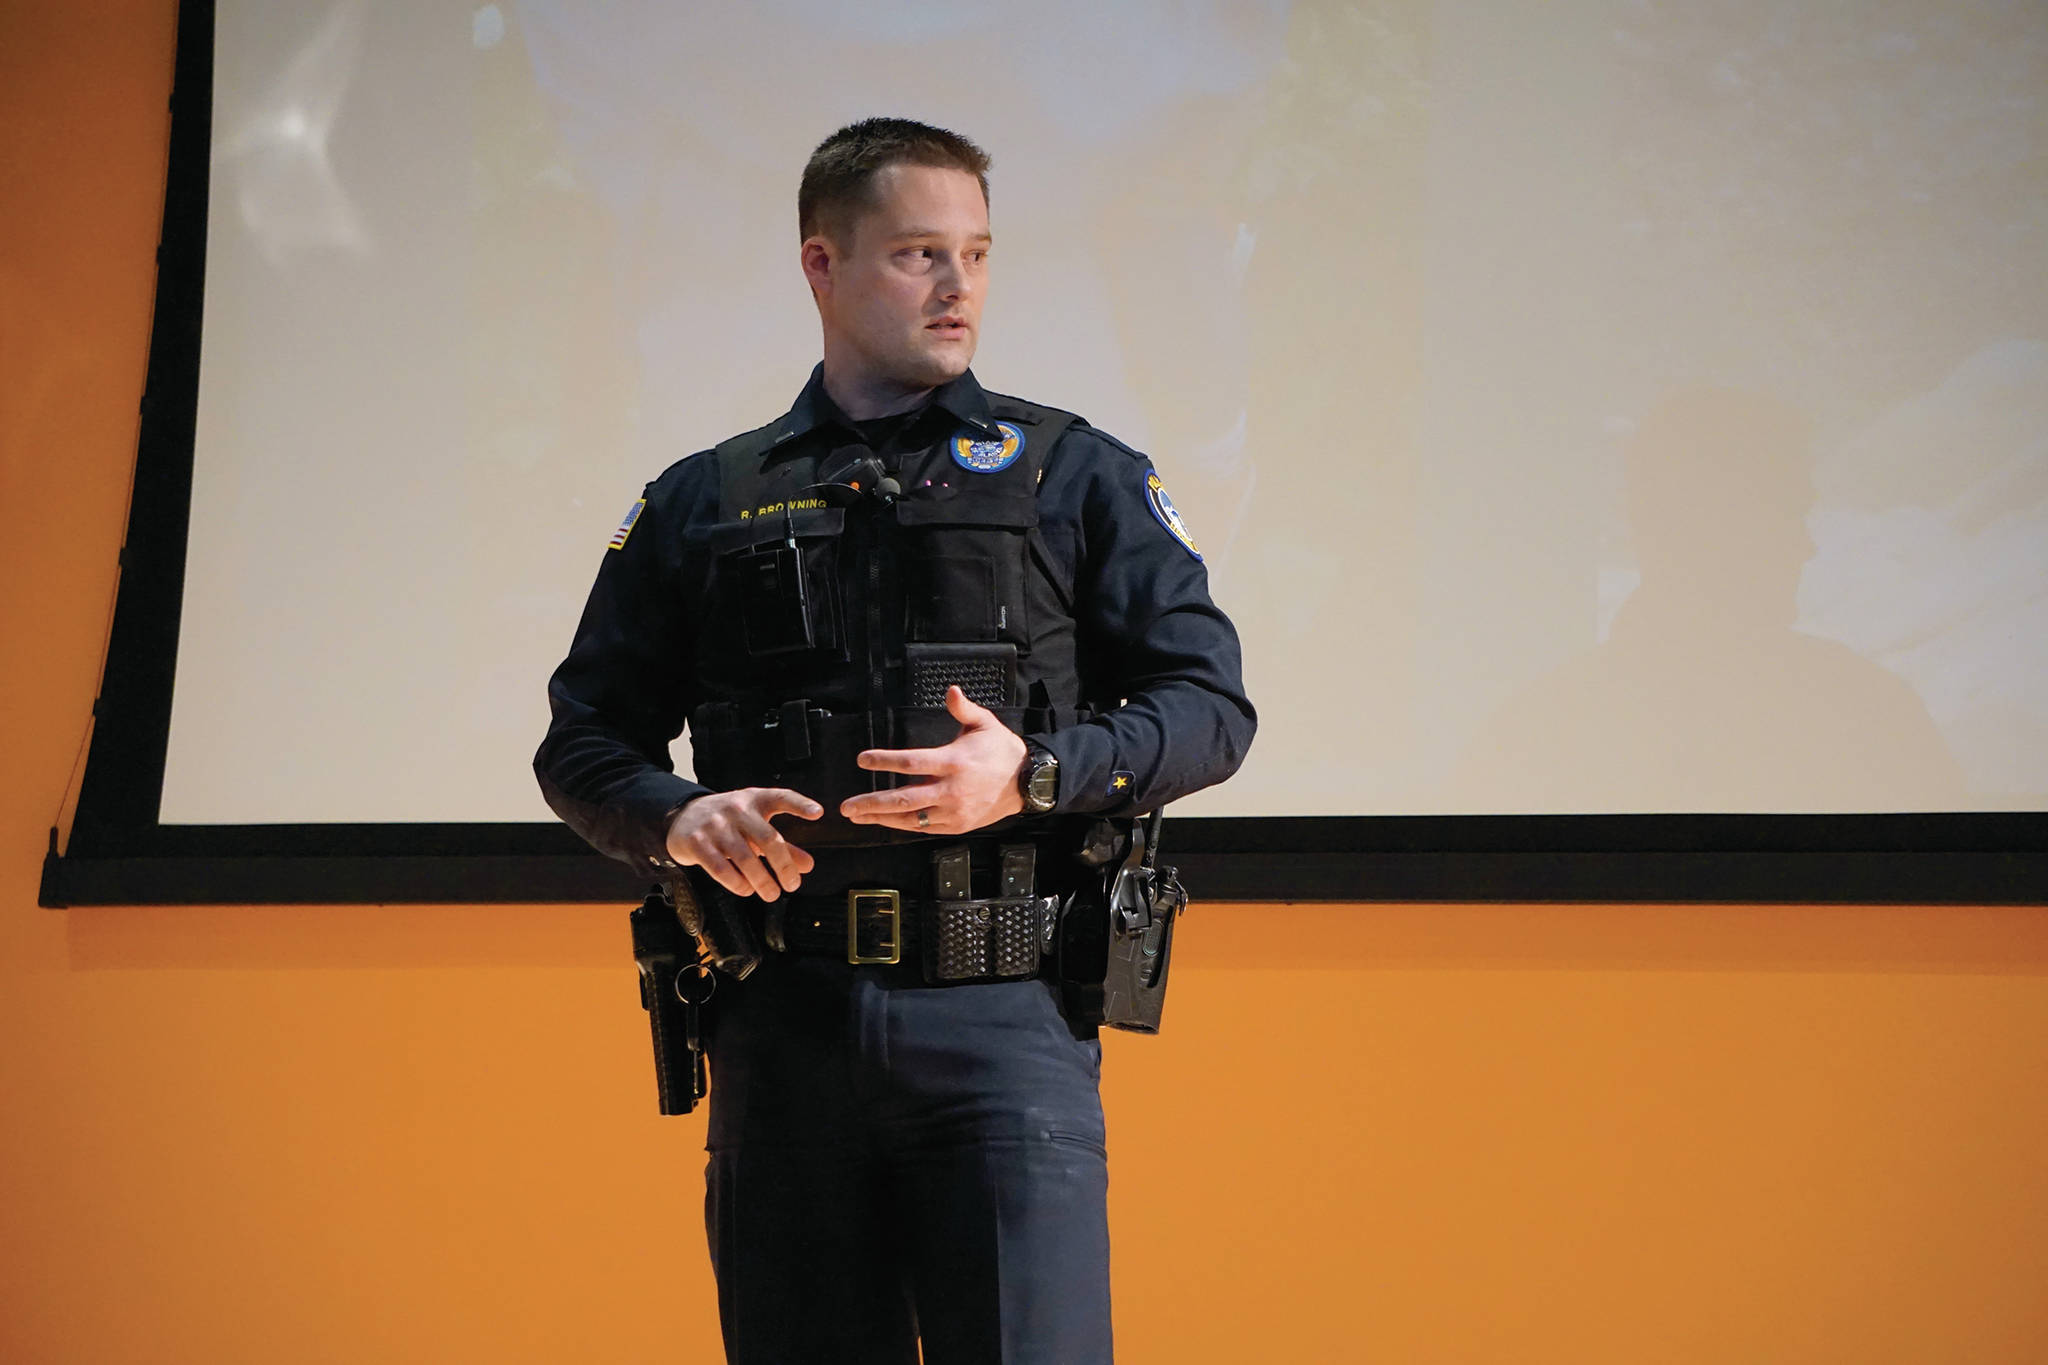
[1140, 456]
[1050, 423]
[1008, 405]
[736, 456]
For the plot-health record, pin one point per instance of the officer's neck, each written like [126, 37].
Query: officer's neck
[863, 397]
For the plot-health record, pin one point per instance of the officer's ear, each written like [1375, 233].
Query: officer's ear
[820, 255]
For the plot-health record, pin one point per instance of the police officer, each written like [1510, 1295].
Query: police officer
[950, 640]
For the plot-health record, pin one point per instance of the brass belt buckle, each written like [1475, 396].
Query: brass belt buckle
[889, 905]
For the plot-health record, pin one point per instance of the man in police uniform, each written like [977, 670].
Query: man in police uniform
[959, 640]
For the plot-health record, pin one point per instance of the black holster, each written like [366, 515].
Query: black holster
[662, 951]
[1115, 936]
[677, 943]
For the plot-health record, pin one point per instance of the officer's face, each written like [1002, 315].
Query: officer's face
[901, 301]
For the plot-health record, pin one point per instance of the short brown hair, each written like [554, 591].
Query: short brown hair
[839, 177]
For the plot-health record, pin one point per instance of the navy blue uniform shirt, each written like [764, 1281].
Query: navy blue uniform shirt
[1148, 634]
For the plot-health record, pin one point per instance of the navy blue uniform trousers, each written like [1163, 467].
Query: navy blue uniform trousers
[890, 1161]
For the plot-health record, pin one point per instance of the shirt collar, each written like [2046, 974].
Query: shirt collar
[962, 398]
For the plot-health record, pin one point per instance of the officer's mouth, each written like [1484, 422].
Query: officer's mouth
[952, 328]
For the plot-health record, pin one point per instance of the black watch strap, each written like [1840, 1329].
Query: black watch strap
[1039, 780]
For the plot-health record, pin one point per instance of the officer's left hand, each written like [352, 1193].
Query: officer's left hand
[971, 782]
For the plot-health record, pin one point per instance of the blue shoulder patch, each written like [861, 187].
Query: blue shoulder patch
[1169, 516]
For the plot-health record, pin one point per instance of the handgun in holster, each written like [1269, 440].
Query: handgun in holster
[1116, 933]
[677, 944]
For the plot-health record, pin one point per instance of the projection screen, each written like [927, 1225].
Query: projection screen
[1605, 408]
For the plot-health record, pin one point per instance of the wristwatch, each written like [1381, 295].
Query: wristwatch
[1039, 780]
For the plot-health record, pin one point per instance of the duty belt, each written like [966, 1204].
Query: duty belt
[955, 937]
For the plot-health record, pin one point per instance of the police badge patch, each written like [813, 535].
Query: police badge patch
[981, 455]
[1169, 517]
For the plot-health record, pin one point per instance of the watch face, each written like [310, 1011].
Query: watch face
[1044, 787]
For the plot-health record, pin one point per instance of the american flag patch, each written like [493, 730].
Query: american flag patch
[618, 540]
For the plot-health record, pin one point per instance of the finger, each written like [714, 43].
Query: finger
[758, 880]
[800, 860]
[916, 797]
[783, 867]
[728, 847]
[937, 823]
[724, 873]
[922, 762]
[783, 801]
[965, 709]
[754, 829]
[781, 855]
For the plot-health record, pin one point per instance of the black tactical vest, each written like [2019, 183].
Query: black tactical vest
[838, 612]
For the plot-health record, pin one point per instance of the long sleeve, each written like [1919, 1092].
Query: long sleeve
[625, 689]
[1149, 634]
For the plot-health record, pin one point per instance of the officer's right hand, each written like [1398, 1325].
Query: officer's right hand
[728, 835]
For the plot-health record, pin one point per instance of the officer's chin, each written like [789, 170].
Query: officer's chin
[945, 362]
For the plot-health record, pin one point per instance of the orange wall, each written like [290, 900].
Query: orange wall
[1472, 1133]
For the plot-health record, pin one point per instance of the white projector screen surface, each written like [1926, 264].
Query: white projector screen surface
[1594, 407]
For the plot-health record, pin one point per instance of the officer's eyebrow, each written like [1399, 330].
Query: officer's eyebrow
[913, 233]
